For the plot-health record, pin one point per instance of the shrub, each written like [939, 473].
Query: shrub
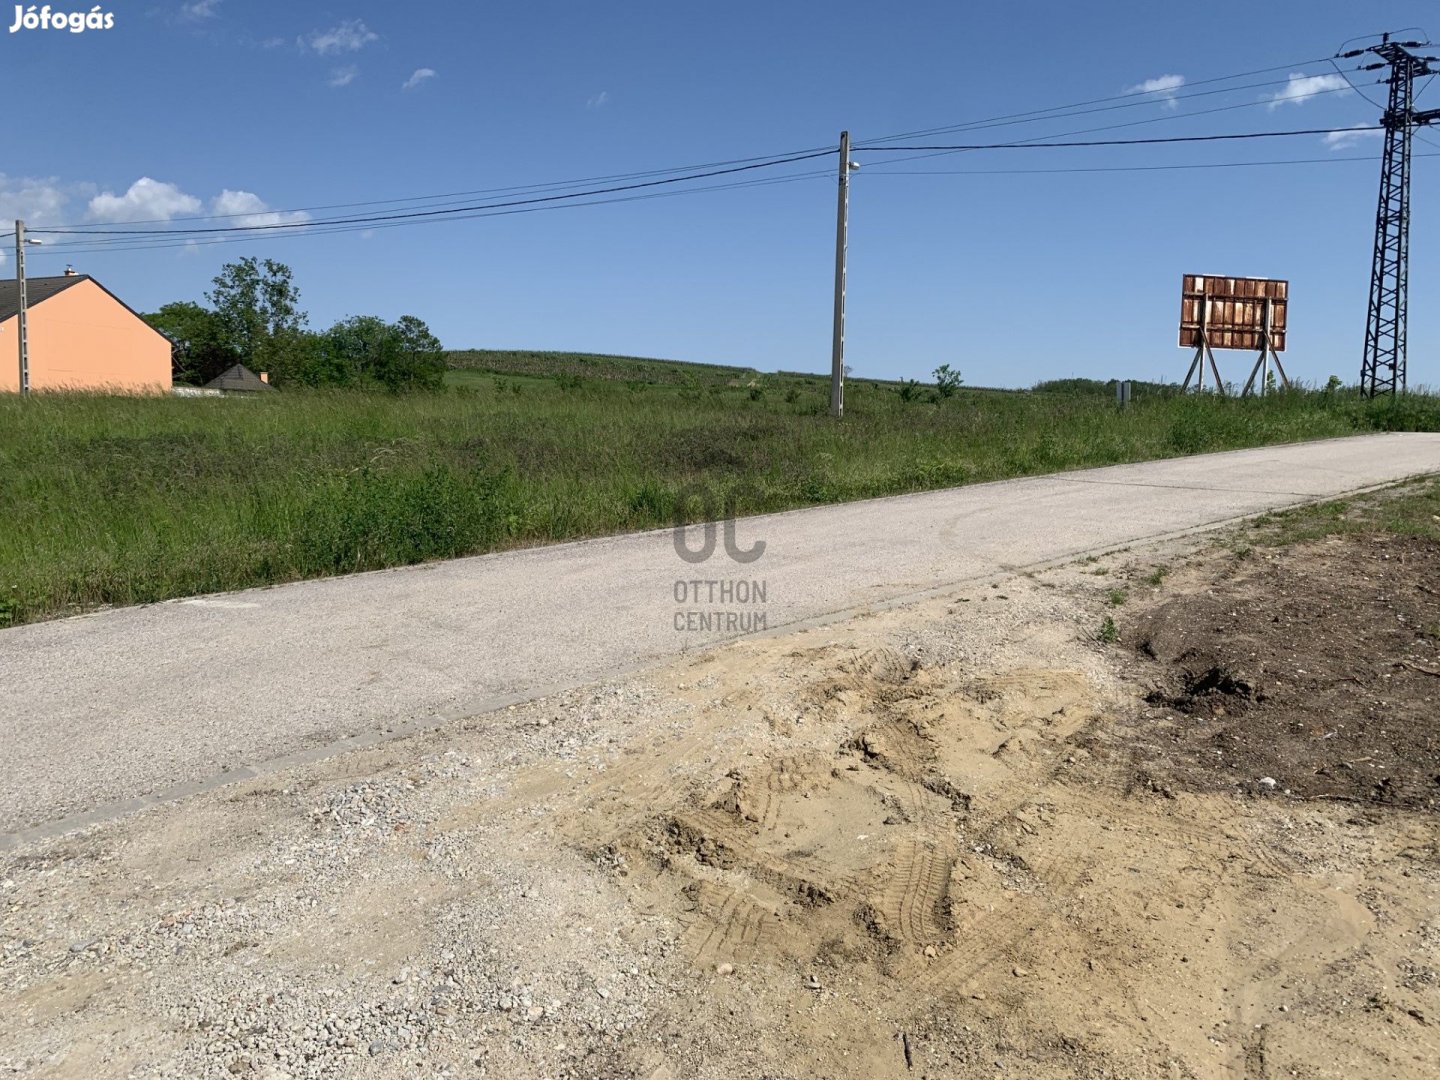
[947, 380]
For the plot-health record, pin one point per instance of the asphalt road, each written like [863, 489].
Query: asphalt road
[105, 713]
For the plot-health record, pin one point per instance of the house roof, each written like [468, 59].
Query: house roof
[238, 377]
[37, 290]
[40, 289]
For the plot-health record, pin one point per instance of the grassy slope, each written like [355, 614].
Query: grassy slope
[117, 501]
[593, 366]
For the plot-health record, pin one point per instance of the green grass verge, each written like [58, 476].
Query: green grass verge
[1411, 510]
[124, 501]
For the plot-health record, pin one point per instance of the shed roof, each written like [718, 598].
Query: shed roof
[238, 377]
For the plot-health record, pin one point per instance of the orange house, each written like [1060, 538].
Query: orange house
[81, 338]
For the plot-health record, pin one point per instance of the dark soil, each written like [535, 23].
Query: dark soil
[1316, 666]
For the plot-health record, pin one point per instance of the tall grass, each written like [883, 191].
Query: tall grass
[130, 500]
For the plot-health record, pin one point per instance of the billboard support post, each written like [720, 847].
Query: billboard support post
[1267, 353]
[1203, 352]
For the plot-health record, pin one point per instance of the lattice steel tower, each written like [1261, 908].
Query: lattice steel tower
[1383, 369]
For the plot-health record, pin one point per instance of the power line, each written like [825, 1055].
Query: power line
[158, 242]
[456, 211]
[130, 238]
[1154, 94]
[881, 171]
[417, 214]
[1352, 86]
[1129, 124]
[156, 239]
[81, 247]
[1128, 100]
[1122, 142]
[89, 227]
[1168, 98]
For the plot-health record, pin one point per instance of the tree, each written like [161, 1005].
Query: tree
[947, 380]
[402, 356]
[254, 301]
[199, 350]
[416, 339]
[424, 356]
[296, 357]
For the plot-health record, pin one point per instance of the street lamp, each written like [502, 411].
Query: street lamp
[21, 242]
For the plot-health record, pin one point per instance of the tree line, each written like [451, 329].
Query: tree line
[252, 316]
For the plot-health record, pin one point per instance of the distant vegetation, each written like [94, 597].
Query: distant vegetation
[1106, 389]
[254, 318]
[130, 500]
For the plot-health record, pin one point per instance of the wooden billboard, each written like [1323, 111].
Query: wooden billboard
[1231, 312]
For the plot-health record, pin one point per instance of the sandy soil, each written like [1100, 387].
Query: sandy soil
[964, 838]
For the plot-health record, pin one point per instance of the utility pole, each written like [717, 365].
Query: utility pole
[1383, 368]
[20, 318]
[842, 229]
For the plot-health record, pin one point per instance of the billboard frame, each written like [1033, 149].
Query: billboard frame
[1260, 330]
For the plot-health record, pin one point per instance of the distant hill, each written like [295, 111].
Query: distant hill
[539, 363]
[595, 366]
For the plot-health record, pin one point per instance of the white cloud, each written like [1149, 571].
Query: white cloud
[147, 200]
[35, 201]
[1301, 88]
[46, 202]
[344, 76]
[1163, 87]
[599, 101]
[351, 35]
[200, 10]
[421, 74]
[1352, 136]
[245, 209]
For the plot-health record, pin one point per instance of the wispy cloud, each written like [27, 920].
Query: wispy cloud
[1163, 87]
[1351, 136]
[349, 36]
[200, 10]
[344, 76]
[1300, 88]
[146, 200]
[599, 101]
[420, 76]
[245, 208]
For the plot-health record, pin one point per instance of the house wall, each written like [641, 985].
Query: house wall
[85, 339]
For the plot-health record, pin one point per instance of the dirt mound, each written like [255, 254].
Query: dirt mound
[1315, 671]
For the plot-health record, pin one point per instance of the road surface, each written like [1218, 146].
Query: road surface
[109, 712]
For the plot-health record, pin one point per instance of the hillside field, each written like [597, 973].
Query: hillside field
[111, 501]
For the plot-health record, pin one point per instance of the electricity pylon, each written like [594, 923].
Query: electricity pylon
[1382, 371]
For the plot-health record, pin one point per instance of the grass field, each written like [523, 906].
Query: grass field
[123, 501]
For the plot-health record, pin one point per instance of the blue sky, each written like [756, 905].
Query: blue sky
[251, 107]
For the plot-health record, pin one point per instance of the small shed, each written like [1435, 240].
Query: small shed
[241, 380]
